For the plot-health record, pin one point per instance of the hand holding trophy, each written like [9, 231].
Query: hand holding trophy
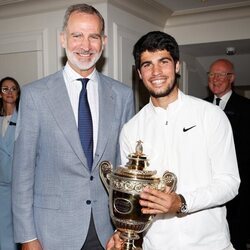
[124, 185]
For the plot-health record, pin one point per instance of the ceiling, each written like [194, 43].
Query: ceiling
[205, 53]
[178, 6]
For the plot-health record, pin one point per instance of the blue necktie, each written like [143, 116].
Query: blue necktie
[85, 126]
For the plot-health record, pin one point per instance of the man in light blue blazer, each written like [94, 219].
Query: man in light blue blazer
[59, 202]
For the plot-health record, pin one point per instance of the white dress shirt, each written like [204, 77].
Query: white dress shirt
[74, 87]
[5, 123]
[224, 99]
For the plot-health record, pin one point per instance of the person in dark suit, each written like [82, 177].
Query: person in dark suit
[59, 201]
[221, 77]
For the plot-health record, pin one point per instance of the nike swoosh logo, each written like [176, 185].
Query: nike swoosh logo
[186, 129]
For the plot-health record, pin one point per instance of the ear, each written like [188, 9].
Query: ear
[104, 40]
[177, 67]
[63, 40]
[139, 73]
[232, 78]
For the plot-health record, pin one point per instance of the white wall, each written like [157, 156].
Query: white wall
[213, 26]
[124, 30]
[30, 47]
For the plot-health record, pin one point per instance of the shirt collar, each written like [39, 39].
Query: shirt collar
[225, 97]
[72, 75]
[172, 107]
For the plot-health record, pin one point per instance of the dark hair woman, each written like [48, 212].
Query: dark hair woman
[9, 99]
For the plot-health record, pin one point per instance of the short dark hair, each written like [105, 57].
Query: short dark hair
[82, 8]
[153, 41]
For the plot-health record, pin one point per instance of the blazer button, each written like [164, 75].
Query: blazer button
[91, 178]
[88, 202]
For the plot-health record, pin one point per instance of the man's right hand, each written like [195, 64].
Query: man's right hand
[32, 245]
[115, 242]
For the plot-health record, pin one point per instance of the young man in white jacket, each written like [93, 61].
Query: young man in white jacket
[189, 137]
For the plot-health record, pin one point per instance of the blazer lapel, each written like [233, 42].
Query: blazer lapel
[8, 138]
[231, 103]
[106, 117]
[59, 103]
[231, 110]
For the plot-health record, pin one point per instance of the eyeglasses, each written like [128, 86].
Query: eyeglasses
[6, 90]
[220, 75]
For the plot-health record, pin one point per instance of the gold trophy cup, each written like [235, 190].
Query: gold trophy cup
[124, 185]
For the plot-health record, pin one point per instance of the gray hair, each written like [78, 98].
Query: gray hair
[82, 8]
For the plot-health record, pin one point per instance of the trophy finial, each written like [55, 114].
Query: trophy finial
[137, 160]
[139, 148]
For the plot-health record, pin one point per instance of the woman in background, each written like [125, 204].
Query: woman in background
[9, 100]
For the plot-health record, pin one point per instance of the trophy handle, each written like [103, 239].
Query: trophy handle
[169, 179]
[105, 169]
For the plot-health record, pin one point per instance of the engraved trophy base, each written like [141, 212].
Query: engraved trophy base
[129, 238]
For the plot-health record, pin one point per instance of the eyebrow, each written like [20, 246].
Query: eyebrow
[82, 34]
[145, 62]
[161, 59]
[168, 58]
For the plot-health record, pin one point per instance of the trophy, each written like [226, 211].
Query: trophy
[124, 185]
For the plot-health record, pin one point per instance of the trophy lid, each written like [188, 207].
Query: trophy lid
[137, 164]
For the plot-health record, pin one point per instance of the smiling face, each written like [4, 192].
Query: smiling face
[158, 72]
[221, 77]
[83, 42]
[9, 92]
